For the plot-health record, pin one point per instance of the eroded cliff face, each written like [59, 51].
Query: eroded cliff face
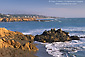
[16, 19]
[16, 40]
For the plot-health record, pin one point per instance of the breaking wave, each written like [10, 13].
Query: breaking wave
[63, 49]
[77, 31]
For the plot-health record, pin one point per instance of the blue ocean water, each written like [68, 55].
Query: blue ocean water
[72, 25]
[75, 26]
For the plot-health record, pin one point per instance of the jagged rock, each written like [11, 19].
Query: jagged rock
[9, 42]
[17, 44]
[26, 45]
[32, 47]
[29, 46]
[16, 40]
[13, 42]
[4, 44]
[7, 34]
[30, 37]
[53, 35]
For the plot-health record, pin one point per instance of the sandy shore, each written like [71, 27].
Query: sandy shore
[42, 51]
[9, 52]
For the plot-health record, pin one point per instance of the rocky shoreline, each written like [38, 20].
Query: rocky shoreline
[20, 19]
[16, 19]
[54, 35]
[16, 44]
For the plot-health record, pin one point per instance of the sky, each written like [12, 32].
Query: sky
[42, 7]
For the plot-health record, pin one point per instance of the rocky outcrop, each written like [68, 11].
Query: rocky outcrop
[7, 34]
[16, 40]
[16, 19]
[54, 35]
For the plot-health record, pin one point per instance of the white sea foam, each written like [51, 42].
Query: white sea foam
[61, 49]
[73, 29]
[58, 49]
[77, 31]
[77, 34]
[35, 31]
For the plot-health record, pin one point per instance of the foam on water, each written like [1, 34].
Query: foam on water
[35, 31]
[74, 29]
[77, 31]
[61, 49]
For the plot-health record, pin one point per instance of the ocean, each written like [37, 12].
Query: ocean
[75, 26]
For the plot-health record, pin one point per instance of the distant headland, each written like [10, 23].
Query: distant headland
[23, 17]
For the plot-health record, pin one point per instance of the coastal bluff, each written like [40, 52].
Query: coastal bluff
[16, 19]
[54, 35]
[20, 20]
[15, 43]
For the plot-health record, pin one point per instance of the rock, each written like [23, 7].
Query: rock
[26, 45]
[53, 35]
[13, 42]
[44, 41]
[82, 37]
[4, 39]
[7, 34]
[30, 37]
[9, 42]
[6, 19]
[16, 40]
[17, 45]
[75, 38]
[29, 46]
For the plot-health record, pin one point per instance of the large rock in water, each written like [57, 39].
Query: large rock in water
[16, 40]
[53, 35]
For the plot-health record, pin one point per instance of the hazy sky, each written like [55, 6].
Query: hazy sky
[43, 7]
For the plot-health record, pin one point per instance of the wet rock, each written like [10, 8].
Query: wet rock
[54, 35]
[75, 38]
[82, 37]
